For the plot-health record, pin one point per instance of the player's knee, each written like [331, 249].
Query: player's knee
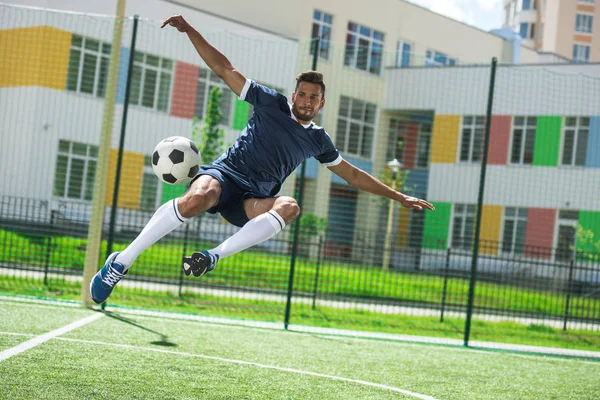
[288, 208]
[199, 198]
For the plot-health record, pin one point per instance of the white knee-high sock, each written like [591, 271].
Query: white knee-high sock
[257, 230]
[164, 220]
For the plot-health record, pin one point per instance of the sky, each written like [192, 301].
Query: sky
[483, 14]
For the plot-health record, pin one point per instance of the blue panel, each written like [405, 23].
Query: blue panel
[416, 184]
[592, 159]
[362, 164]
[312, 168]
[123, 64]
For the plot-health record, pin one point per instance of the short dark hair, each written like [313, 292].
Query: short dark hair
[311, 77]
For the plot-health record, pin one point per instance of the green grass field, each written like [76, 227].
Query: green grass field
[258, 269]
[122, 355]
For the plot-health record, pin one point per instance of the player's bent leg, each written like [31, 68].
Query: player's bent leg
[267, 217]
[202, 194]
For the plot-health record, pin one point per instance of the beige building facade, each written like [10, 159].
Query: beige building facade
[567, 28]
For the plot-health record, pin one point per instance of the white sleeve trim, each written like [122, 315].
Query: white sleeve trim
[245, 89]
[334, 162]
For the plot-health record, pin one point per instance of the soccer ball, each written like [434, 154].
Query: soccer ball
[176, 160]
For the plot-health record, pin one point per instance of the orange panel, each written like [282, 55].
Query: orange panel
[491, 219]
[585, 8]
[583, 38]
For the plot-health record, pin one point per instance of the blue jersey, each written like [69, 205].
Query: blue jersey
[273, 144]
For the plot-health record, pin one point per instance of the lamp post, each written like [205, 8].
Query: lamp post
[395, 166]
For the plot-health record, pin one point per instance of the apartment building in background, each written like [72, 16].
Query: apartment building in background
[567, 28]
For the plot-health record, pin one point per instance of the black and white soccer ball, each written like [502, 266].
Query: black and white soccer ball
[176, 160]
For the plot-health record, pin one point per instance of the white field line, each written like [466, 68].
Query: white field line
[253, 364]
[349, 305]
[31, 343]
[333, 332]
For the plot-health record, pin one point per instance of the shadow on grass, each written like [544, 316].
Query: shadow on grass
[163, 338]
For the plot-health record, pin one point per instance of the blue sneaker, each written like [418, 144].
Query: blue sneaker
[199, 263]
[105, 280]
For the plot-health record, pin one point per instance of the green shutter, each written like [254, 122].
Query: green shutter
[588, 239]
[547, 141]
[170, 192]
[240, 116]
[437, 226]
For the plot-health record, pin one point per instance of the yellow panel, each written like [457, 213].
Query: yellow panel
[130, 188]
[403, 224]
[36, 56]
[491, 219]
[444, 141]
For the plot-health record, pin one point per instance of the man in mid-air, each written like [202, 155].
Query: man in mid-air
[243, 183]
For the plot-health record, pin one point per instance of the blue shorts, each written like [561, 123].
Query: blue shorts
[231, 202]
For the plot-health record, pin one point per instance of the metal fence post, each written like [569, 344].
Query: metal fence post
[569, 289]
[446, 272]
[288, 304]
[488, 124]
[316, 286]
[49, 247]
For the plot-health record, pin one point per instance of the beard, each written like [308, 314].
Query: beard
[303, 116]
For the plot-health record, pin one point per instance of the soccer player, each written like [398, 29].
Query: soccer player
[243, 183]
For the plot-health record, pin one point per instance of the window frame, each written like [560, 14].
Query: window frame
[321, 24]
[209, 81]
[526, 129]
[100, 77]
[577, 49]
[396, 135]
[362, 123]
[423, 146]
[467, 210]
[585, 21]
[520, 214]
[432, 59]
[88, 173]
[401, 54]
[580, 127]
[353, 47]
[472, 127]
[138, 98]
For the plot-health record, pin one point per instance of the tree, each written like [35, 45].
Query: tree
[209, 137]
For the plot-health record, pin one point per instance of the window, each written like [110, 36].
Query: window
[515, 227]
[526, 4]
[584, 23]
[151, 81]
[471, 145]
[423, 145]
[75, 170]
[566, 235]
[207, 80]
[463, 226]
[523, 140]
[403, 54]
[575, 140]
[527, 30]
[88, 66]
[321, 28]
[587, 1]
[364, 48]
[436, 58]
[149, 197]
[581, 53]
[356, 127]
[396, 140]
[524, 30]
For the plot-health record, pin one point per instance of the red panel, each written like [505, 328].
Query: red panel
[410, 144]
[499, 140]
[540, 232]
[184, 90]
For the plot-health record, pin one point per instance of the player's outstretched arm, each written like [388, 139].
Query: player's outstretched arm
[364, 181]
[211, 56]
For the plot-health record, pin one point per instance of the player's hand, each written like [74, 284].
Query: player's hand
[414, 203]
[178, 22]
